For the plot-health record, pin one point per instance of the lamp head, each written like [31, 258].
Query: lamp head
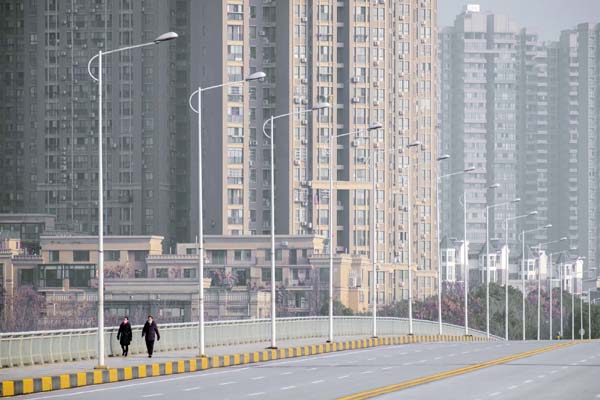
[562, 239]
[531, 214]
[166, 36]
[443, 157]
[375, 125]
[494, 186]
[320, 106]
[414, 144]
[548, 226]
[470, 169]
[518, 199]
[255, 76]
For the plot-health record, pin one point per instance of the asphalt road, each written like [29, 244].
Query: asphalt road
[333, 375]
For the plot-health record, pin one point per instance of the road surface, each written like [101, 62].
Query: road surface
[568, 373]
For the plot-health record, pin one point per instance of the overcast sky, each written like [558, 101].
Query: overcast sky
[547, 17]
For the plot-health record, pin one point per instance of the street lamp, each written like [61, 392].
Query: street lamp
[162, 38]
[200, 251]
[487, 254]
[562, 239]
[439, 179]
[333, 140]
[408, 237]
[523, 233]
[531, 214]
[269, 136]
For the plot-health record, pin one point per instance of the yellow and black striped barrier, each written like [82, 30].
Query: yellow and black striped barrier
[95, 377]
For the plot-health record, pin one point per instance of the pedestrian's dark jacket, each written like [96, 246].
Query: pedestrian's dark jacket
[124, 335]
[150, 331]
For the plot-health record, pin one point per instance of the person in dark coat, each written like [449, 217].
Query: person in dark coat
[124, 335]
[150, 332]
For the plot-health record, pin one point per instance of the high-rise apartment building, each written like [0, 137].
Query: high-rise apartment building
[576, 143]
[373, 61]
[534, 107]
[478, 127]
[50, 127]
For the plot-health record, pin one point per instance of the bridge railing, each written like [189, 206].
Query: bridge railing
[41, 347]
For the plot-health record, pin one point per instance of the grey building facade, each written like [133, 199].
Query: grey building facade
[51, 123]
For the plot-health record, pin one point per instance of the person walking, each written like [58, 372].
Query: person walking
[150, 332]
[124, 335]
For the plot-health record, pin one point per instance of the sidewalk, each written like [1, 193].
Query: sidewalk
[159, 357]
[42, 378]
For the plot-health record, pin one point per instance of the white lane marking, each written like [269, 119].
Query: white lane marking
[285, 373]
[437, 358]
[541, 376]
[528, 381]
[565, 367]
[352, 362]
[422, 361]
[287, 387]
[255, 394]
[451, 355]
[466, 352]
[512, 387]
[418, 351]
[319, 381]
[386, 368]
[403, 354]
[582, 361]
[227, 383]
[256, 378]
[143, 383]
[153, 395]
[494, 394]
[311, 369]
[387, 356]
[371, 359]
[367, 372]
[553, 371]
[343, 376]
[598, 396]
[192, 388]
[406, 363]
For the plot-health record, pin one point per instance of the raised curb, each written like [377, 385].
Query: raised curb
[87, 378]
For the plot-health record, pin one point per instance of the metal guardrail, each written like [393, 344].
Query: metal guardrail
[44, 347]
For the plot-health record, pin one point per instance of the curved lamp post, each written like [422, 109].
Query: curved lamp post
[162, 38]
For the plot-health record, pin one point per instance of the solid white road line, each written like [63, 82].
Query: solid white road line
[192, 388]
[512, 387]
[319, 381]
[255, 394]
[287, 387]
[386, 368]
[227, 383]
[343, 376]
[285, 373]
[153, 395]
[256, 378]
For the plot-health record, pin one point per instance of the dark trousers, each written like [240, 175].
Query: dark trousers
[125, 348]
[150, 346]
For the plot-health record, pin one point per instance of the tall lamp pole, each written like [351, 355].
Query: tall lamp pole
[200, 251]
[440, 278]
[269, 136]
[487, 255]
[531, 214]
[523, 233]
[408, 236]
[562, 239]
[333, 141]
[162, 38]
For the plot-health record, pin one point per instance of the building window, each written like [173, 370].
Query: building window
[140, 255]
[243, 255]
[235, 12]
[81, 255]
[54, 255]
[112, 255]
[266, 274]
[189, 273]
[162, 272]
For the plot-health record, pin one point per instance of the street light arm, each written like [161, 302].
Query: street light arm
[452, 174]
[264, 127]
[89, 67]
